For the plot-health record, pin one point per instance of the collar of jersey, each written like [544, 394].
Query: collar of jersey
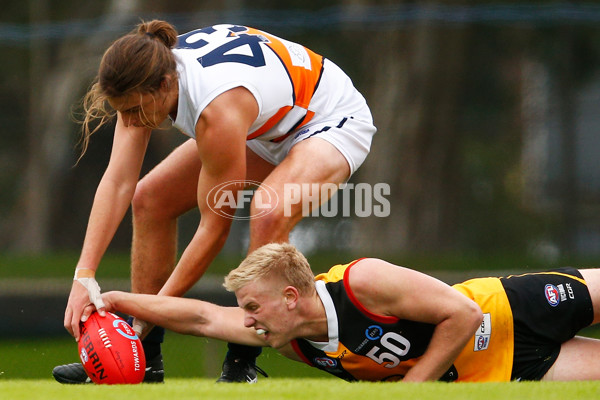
[332, 321]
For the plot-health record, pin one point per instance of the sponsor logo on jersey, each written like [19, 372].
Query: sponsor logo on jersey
[326, 362]
[563, 293]
[483, 333]
[570, 291]
[373, 332]
[361, 345]
[302, 132]
[552, 295]
[482, 342]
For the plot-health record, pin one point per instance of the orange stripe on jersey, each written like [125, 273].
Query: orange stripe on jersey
[270, 123]
[303, 78]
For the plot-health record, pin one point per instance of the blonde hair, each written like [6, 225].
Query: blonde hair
[282, 259]
[138, 62]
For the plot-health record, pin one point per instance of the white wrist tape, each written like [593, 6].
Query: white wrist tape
[93, 290]
[139, 326]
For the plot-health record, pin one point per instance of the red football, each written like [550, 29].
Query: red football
[111, 351]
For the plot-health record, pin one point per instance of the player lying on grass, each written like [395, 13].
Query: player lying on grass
[372, 320]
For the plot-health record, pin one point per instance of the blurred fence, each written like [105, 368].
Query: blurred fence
[35, 307]
[355, 17]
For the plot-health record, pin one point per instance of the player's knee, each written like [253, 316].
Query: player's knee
[147, 202]
[273, 218]
[270, 226]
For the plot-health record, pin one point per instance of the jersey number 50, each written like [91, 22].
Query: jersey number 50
[391, 358]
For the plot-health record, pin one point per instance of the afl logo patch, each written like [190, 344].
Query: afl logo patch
[481, 342]
[373, 332]
[325, 362]
[552, 295]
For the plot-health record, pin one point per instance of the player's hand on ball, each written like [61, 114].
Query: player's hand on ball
[85, 293]
[94, 296]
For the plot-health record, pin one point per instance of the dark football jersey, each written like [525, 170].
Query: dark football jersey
[366, 346]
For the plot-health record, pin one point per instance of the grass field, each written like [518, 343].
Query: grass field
[302, 389]
[193, 364]
[184, 357]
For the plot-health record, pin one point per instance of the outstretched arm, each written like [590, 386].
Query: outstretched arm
[387, 289]
[186, 316]
[111, 202]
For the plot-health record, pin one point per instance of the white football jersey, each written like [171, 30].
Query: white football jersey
[286, 79]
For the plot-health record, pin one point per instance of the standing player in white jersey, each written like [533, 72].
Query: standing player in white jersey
[257, 108]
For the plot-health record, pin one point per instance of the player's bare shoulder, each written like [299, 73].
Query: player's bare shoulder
[369, 280]
[369, 274]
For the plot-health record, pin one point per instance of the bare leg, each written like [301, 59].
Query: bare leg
[312, 161]
[592, 279]
[169, 190]
[579, 359]
[165, 193]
